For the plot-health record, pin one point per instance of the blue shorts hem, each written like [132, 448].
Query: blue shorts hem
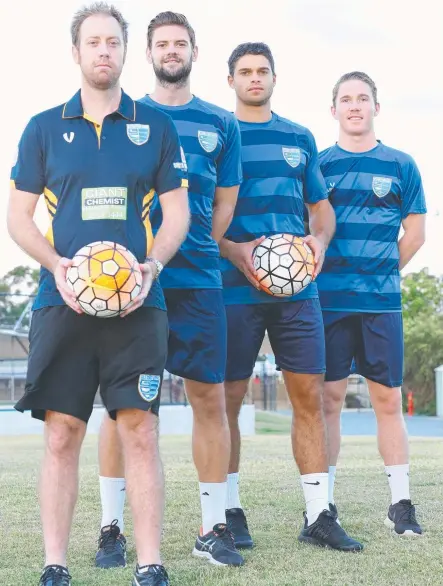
[198, 379]
[304, 371]
[389, 384]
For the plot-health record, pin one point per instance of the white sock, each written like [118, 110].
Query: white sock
[113, 495]
[233, 500]
[331, 483]
[398, 477]
[315, 488]
[213, 503]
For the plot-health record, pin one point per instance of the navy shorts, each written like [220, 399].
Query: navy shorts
[197, 334]
[371, 344]
[295, 331]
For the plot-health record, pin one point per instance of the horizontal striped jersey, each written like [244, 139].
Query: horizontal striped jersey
[371, 193]
[280, 174]
[210, 139]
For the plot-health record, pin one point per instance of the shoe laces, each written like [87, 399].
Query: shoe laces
[155, 569]
[407, 512]
[226, 537]
[56, 574]
[324, 525]
[108, 537]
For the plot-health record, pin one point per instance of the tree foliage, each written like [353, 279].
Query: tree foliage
[16, 287]
[422, 295]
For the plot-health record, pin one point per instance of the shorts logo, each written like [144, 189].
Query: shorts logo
[148, 386]
[381, 186]
[138, 133]
[208, 140]
[292, 156]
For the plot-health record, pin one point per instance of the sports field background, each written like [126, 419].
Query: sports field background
[272, 497]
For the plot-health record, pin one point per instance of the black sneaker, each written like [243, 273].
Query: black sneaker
[238, 526]
[218, 547]
[55, 576]
[111, 548]
[401, 518]
[326, 532]
[152, 575]
[334, 511]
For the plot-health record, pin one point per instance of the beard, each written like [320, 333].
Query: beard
[176, 78]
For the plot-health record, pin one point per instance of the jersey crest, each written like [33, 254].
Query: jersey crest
[292, 156]
[381, 186]
[207, 140]
[138, 133]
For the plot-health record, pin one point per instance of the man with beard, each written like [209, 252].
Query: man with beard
[100, 137]
[193, 289]
[281, 175]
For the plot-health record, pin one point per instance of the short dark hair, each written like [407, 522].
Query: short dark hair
[359, 75]
[97, 8]
[250, 49]
[168, 19]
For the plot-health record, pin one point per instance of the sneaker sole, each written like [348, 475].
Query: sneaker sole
[312, 541]
[408, 533]
[208, 557]
[244, 544]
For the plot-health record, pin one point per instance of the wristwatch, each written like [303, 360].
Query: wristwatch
[157, 263]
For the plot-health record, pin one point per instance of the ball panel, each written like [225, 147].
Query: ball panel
[110, 267]
[284, 264]
[99, 270]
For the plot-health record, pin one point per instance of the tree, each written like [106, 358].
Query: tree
[422, 295]
[423, 353]
[16, 287]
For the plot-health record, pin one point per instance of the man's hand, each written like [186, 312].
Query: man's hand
[69, 297]
[148, 271]
[240, 254]
[318, 250]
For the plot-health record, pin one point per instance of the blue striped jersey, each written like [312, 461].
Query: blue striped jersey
[210, 139]
[371, 193]
[280, 174]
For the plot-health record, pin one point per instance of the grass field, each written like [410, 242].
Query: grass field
[272, 496]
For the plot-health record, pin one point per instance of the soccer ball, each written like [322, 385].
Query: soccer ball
[284, 265]
[105, 277]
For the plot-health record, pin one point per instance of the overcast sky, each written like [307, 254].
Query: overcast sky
[313, 42]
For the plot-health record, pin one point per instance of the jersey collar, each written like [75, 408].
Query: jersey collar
[74, 108]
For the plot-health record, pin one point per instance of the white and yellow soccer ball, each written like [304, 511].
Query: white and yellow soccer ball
[105, 278]
[284, 265]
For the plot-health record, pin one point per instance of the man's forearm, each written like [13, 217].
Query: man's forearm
[322, 223]
[169, 238]
[25, 233]
[221, 220]
[408, 246]
[225, 246]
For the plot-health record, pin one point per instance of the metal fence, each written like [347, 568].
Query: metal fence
[266, 389]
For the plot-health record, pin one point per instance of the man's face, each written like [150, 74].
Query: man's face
[253, 80]
[101, 51]
[171, 54]
[355, 108]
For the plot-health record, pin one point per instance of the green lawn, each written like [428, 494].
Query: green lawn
[272, 496]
